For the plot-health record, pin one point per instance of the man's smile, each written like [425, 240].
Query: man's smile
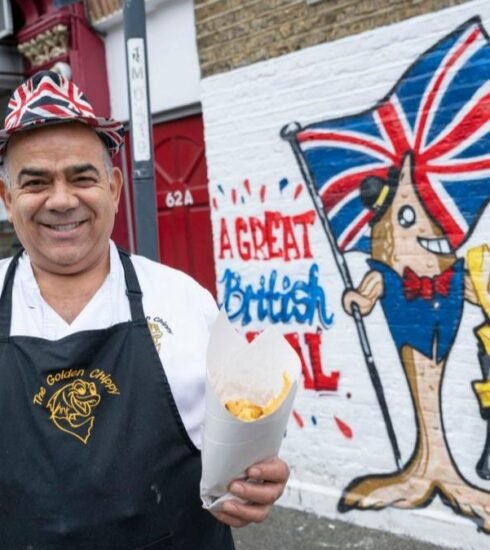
[64, 227]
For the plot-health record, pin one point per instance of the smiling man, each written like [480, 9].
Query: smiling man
[102, 355]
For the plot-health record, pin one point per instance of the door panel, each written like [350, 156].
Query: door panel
[183, 199]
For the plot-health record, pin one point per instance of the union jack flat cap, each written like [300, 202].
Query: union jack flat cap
[49, 98]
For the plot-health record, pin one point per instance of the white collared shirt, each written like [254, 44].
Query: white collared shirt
[179, 312]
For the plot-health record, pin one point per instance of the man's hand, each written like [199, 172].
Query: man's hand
[268, 480]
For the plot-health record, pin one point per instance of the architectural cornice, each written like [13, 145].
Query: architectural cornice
[46, 46]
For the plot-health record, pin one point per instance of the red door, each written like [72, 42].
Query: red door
[183, 200]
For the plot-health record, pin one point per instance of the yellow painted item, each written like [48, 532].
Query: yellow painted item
[478, 261]
[483, 334]
[482, 390]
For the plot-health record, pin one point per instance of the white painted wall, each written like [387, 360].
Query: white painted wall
[172, 57]
[244, 111]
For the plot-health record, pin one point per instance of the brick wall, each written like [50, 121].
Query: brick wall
[100, 9]
[236, 33]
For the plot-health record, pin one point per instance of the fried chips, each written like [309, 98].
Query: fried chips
[245, 410]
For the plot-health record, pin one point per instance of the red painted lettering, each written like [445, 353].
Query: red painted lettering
[290, 244]
[243, 246]
[323, 382]
[293, 339]
[224, 240]
[273, 222]
[258, 238]
[304, 220]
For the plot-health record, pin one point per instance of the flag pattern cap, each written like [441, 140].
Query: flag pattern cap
[49, 98]
[439, 113]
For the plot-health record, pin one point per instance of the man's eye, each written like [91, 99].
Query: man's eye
[406, 216]
[85, 180]
[33, 184]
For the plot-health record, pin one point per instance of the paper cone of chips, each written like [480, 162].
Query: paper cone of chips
[250, 388]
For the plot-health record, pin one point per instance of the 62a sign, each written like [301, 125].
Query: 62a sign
[174, 199]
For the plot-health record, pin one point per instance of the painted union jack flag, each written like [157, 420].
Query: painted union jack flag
[48, 98]
[439, 111]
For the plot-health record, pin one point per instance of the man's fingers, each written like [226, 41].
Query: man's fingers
[266, 483]
[274, 470]
[230, 520]
[247, 513]
[259, 493]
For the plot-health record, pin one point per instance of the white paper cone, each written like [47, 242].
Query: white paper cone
[239, 370]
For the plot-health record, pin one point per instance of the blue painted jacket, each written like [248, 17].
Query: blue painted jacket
[422, 324]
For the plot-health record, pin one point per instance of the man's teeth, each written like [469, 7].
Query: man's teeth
[65, 227]
[438, 246]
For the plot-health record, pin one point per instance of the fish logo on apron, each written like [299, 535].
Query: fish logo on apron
[72, 405]
[72, 408]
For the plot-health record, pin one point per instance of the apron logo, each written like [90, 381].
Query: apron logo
[156, 334]
[155, 325]
[72, 406]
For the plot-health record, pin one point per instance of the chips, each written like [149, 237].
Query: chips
[247, 411]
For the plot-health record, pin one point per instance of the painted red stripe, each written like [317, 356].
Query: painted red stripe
[436, 208]
[262, 193]
[393, 127]
[340, 188]
[298, 190]
[344, 428]
[461, 167]
[431, 96]
[344, 138]
[469, 124]
[355, 230]
[246, 184]
[298, 419]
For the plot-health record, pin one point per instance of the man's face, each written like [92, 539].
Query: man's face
[61, 201]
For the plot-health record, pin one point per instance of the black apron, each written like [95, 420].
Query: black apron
[93, 452]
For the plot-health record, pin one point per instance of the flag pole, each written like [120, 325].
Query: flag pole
[289, 133]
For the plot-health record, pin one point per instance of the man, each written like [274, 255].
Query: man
[98, 440]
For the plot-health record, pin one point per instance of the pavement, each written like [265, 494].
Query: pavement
[287, 529]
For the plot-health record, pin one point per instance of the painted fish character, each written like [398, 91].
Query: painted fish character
[421, 285]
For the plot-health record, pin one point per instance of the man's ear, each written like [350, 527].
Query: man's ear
[7, 198]
[116, 184]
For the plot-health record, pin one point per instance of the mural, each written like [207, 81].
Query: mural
[405, 183]
[272, 295]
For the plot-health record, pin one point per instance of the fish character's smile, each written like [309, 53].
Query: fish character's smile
[439, 245]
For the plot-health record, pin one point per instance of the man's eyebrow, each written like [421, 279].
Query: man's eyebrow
[79, 168]
[70, 171]
[36, 172]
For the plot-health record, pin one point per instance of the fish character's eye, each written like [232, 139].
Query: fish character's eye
[406, 216]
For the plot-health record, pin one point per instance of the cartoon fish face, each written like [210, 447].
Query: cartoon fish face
[72, 407]
[406, 235]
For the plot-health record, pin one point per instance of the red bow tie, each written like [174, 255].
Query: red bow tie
[425, 287]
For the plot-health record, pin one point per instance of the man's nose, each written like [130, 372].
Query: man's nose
[61, 197]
